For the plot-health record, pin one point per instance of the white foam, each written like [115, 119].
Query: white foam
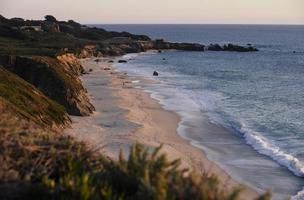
[254, 139]
[136, 81]
[299, 196]
[260, 144]
[130, 56]
[264, 146]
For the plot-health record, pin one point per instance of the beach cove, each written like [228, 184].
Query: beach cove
[150, 111]
[125, 115]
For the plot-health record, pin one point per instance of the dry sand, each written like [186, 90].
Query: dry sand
[125, 115]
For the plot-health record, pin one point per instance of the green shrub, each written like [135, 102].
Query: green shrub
[37, 164]
[143, 175]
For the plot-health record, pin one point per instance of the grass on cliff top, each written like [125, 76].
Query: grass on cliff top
[9, 46]
[41, 44]
[27, 101]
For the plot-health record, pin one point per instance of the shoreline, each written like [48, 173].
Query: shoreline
[129, 114]
[222, 143]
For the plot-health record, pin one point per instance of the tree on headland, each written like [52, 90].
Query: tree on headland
[50, 18]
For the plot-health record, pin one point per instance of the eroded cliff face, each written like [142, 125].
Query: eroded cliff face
[71, 63]
[57, 78]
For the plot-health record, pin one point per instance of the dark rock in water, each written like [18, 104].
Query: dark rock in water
[155, 73]
[122, 61]
[159, 51]
[294, 52]
[231, 47]
[164, 58]
[161, 44]
[215, 47]
[187, 46]
[110, 61]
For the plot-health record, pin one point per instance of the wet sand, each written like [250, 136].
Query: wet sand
[125, 115]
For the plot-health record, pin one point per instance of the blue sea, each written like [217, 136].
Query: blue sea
[245, 110]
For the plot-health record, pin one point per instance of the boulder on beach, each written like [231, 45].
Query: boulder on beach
[122, 61]
[155, 73]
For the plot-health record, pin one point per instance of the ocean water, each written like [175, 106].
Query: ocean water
[256, 97]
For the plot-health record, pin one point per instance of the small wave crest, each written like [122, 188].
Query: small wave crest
[260, 144]
[252, 138]
[299, 196]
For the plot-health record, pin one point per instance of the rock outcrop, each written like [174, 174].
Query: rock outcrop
[161, 44]
[56, 78]
[215, 47]
[187, 46]
[72, 63]
[122, 61]
[231, 47]
[120, 46]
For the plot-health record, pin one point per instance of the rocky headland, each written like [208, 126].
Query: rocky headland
[45, 53]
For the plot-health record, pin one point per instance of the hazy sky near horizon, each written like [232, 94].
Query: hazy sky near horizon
[160, 11]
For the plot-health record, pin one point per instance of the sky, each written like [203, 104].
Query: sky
[160, 11]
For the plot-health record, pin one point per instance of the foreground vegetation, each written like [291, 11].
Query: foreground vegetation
[38, 164]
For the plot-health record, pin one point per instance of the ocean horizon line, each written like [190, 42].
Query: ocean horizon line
[184, 24]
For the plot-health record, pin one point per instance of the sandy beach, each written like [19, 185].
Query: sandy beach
[125, 115]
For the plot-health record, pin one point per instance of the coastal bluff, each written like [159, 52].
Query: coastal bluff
[57, 78]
